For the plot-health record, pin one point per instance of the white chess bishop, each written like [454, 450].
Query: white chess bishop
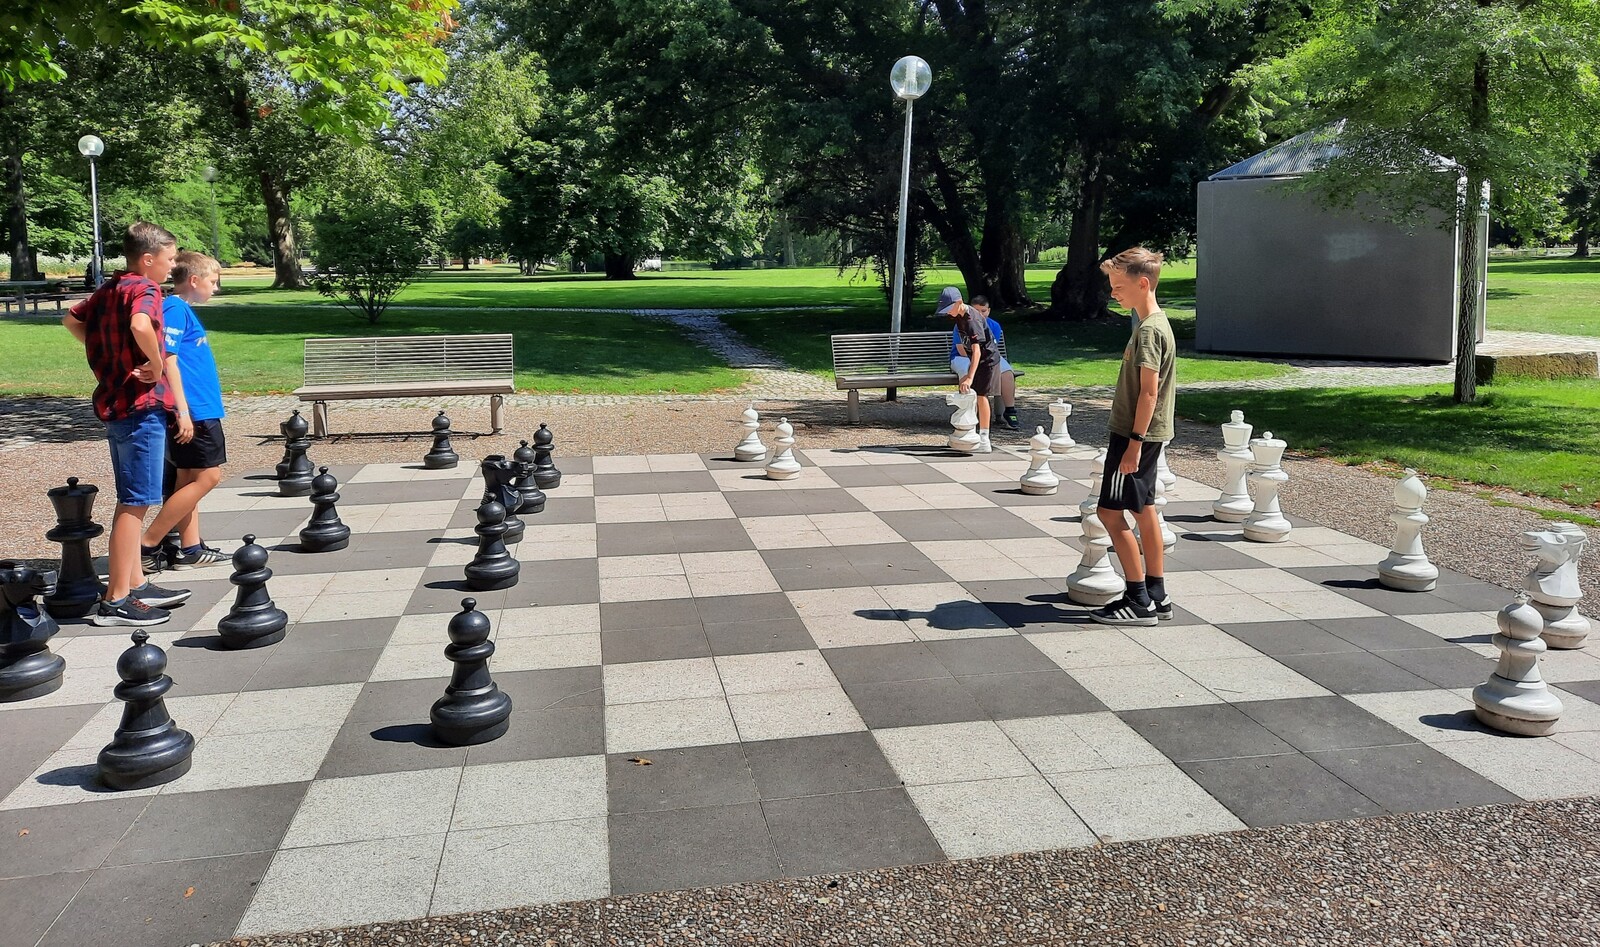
[1094, 581]
[1553, 582]
[965, 421]
[1039, 480]
[1060, 439]
[783, 465]
[1233, 505]
[1515, 698]
[1266, 522]
[751, 449]
[1407, 567]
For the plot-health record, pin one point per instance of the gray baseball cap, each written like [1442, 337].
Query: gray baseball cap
[948, 297]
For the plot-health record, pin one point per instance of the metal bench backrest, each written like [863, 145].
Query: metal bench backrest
[408, 358]
[874, 353]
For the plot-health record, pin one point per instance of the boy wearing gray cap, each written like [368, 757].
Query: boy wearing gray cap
[983, 367]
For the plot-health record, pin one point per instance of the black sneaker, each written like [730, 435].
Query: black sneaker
[1009, 416]
[1124, 612]
[130, 611]
[204, 556]
[158, 597]
[1163, 608]
[154, 561]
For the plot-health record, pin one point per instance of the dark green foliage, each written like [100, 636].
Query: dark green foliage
[368, 249]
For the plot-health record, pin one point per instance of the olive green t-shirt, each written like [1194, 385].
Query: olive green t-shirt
[1152, 346]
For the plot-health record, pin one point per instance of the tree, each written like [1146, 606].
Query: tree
[1581, 206]
[370, 238]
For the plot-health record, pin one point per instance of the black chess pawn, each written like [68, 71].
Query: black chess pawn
[532, 498]
[296, 480]
[254, 621]
[78, 586]
[441, 456]
[473, 708]
[282, 469]
[325, 532]
[28, 668]
[493, 567]
[499, 485]
[149, 749]
[545, 473]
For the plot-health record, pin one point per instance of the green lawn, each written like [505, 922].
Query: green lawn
[1560, 296]
[1535, 437]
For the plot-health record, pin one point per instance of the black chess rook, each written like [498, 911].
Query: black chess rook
[325, 532]
[545, 473]
[441, 456]
[78, 586]
[296, 480]
[492, 567]
[253, 621]
[28, 668]
[473, 709]
[499, 485]
[148, 749]
[531, 497]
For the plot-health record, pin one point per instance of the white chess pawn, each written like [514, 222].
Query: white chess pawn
[1515, 698]
[1094, 581]
[1407, 567]
[1266, 522]
[1164, 474]
[751, 449]
[783, 465]
[1039, 480]
[1553, 582]
[1168, 537]
[1060, 440]
[964, 420]
[1233, 505]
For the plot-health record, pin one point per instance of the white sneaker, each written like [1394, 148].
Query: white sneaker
[984, 447]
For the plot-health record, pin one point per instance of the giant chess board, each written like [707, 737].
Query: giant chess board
[721, 678]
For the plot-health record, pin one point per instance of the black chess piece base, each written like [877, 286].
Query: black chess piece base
[123, 769]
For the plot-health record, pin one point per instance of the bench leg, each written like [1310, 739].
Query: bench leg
[892, 394]
[319, 419]
[497, 405]
[854, 410]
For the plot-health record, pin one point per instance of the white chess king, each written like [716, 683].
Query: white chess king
[965, 421]
[1515, 698]
[783, 465]
[1407, 567]
[751, 449]
[1233, 505]
[1266, 522]
[1039, 480]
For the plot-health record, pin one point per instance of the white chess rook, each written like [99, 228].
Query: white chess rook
[1515, 698]
[1094, 581]
[1553, 582]
[783, 465]
[1233, 505]
[1266, 522]
[1164, 474]
[751, 449]
[1407, 567]
[1060, 440]
[1039, 480]
[965, 421]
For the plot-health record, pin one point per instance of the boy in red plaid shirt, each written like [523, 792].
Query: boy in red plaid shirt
[120, 328]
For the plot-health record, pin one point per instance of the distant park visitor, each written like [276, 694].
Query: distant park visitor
[959, 363]
[983, 354]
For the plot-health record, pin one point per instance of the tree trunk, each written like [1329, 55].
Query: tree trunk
[1080, 290]
[954, 228]
[22, 262]
[1466, 387]
[1580, 243]
[280, 230]
[788, 243]
[1003, 250]
[619, 266]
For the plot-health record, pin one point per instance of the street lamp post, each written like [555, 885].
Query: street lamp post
[910, 79]
[91, 147]
[210, 176]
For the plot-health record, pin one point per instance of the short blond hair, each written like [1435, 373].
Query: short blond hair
[1136, 262]
[193, 263]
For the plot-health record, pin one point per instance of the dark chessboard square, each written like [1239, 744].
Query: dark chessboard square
[1279, 790]
[690, 848]
[849, 831]
[1475, 596]
[1204, 732]
[577, 466]
[381, 701]
[765, 606]
[1006, 653]
[724, 460]
[1361, 585]
[284, 668]
[991, 523]
[808, 557]
[809, 766]
[400, 491]
[760, 636]
[1588, 690]
[217, 822]
[1029, 593]
[1009, 494]
[545, 734]
[824, 500]
[1030, 694]
[1289, 637]
[400, 745]
[922, 526]
[351, 635]
[764, 502]
[663, 643]
[1190, 554]
[557, 509]
[635, 539]
[49, 839]
[553, 688]
[29, 905]
[366, 552]
[827, 576]
[892, 564]
[442, 589]
[1354, 672]
[227, 530]
[33, 735]
[1450, 666]
[1311, 724]
[678, 779]
[715, 535]
[902, 474]
[199, 664]
[1411, 778]
[1035, 617]
[631, 616]
[535, 589]
[146, 906]
[914, 703]
[1385, 633]
[873, 476]
[677, 481]
[881, 663]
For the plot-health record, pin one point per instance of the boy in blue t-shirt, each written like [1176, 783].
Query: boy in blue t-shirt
[1008, 378]
[194, 457]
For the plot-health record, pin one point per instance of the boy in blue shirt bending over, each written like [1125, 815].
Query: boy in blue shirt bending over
[959, 363]
[197, 455]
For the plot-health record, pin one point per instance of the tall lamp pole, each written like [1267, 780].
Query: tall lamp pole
[210, 176]
[910, 79]
[91, 147]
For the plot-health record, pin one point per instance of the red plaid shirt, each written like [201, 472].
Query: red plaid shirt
[114, 353]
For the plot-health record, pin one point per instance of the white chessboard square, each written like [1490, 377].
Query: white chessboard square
[515, 866]
[753, 477]
[380, 806]
[784, 532]
[1143, 802]
[1242, 679]
[520, 792]
[655, 681]
[547, 652]
[1233, 608]
[774, 671]
[1143, 686]
[1092, 646]
[952, 753]
[669, 724]
[626, 464]
[1073, 743]
[629, 508]
[644, 588]
[344, 885]
[999, 816]
[787, 714]
[668, 463]
[853, 529]
[542, 620]
[680, 507]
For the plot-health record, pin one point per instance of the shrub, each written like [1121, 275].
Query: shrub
[367, 251]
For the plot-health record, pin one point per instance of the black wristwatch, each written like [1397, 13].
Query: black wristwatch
[1137, 437]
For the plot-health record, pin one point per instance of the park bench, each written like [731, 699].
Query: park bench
[890, 361]
[19, 293]
[411, 366]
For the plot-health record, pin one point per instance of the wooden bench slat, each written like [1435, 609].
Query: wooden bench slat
[349, 369]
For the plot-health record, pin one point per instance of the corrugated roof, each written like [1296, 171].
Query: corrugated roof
[1300, 155]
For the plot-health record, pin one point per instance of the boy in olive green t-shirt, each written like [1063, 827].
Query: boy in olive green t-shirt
[1141, 423]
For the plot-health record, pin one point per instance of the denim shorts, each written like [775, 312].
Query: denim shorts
[138, 454]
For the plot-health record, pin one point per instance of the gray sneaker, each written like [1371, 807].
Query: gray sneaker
[204, 556]
[154, 561]
[158, 597]
[130, 611]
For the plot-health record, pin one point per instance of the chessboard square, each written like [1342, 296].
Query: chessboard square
[432, 515]
[1212, 732]
[1586, 690]
[569, 509]
[623, 484]
[759, 636]
[1411, 778]
[1258, 678]
[1318, 604]
[635, 616]
[684, 848]
[992, 566]
[925, 525]
[915, 703]
[623, 567]
[68, 776]
[1353, 672]
[667, 643]
[255, 759]
[999, 817]
[839, 832]
[629, 463]
[307, 668]
[1157, 800]
[853, 529]
[204, 825]
[884, 499]
[1191, 643]
[955, 496]
[924, 596]
[1291, 638]
[708, 535]
[380, 806]
[1586, 742]
[546, 653]
[652, 681]
[876, 664]
[1279, 790]
[512, 867]
[717, 610]
[644, 588]
[545, 734]
[1070, 743]
[344, 885]
[401, 662]
[1473, 595]
[1533, 769]
[1434, 716]
[45, 840]
[816, 765]
[154, 905]
[351, 606]
[543, 621]
[1140, 686]
[1449, 666]
[367, 747]
[794, 713]
[1458, 627]
[1360, 584]
[773, 672]
[1234, 607]
[665, 725]
[945, 551]
[1259, 581]
[528, 791]
[686, 778]
[295, 708]
[689, 507]
[1012, 653]
[715, 584]
[1317, 724]
[1288, 555]
[827, 575]
[794, 531]
[671, 463]
[1029, 694]
[539, 546]
[628, 509]
[1092, 646]
[951, 752]
[1561, 667]
[823, 603]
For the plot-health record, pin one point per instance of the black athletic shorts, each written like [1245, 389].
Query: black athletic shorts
[986, 380]
[1119, 491]
[208, 449]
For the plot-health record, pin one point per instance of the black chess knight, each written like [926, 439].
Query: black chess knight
[28, 668]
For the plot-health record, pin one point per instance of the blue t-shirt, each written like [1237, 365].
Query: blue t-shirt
[959, 350]
[186, 338]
